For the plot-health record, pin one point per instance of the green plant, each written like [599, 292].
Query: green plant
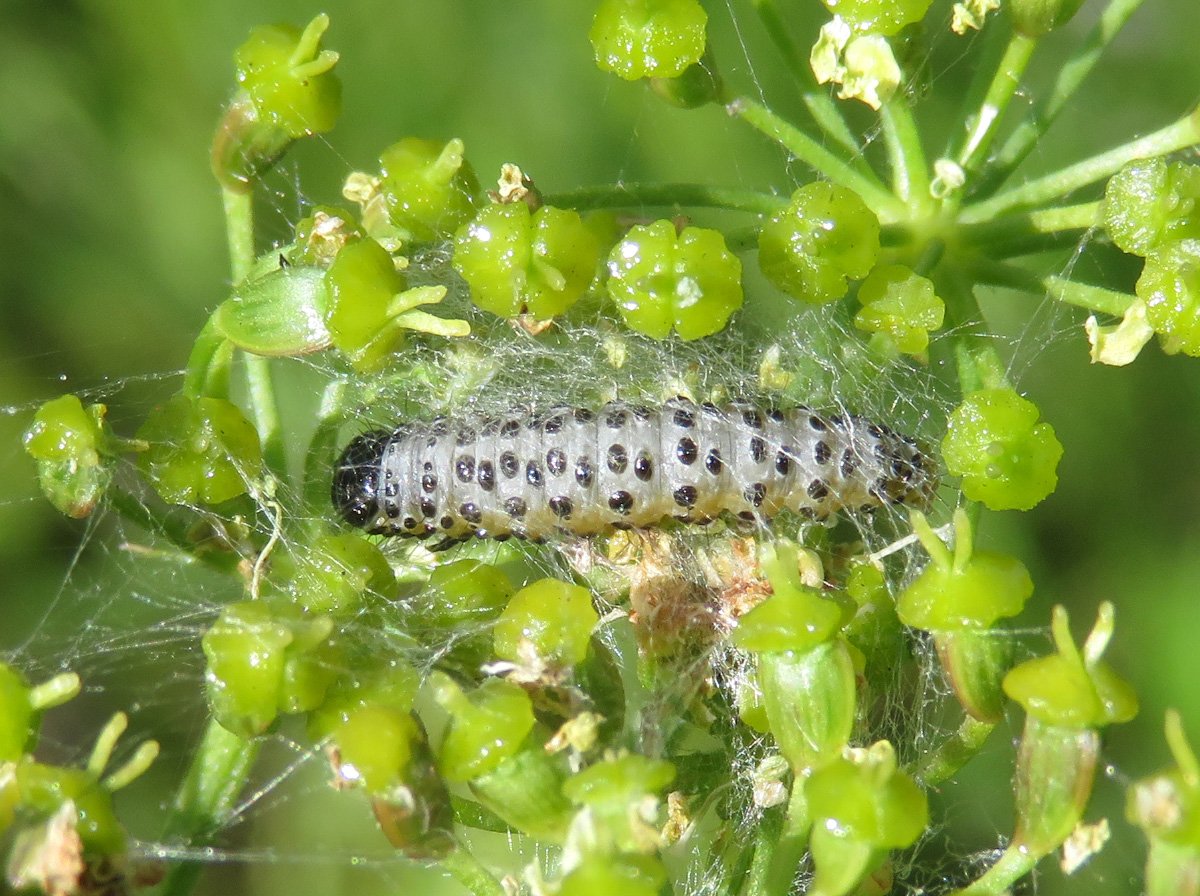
[754, 712]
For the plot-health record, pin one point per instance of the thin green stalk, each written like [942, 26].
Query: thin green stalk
[1073, 72]
[1029, 232]
[462, 865]
[910, 168]
[1012, 865]
[886, 206]
[239, 229]
[1178, 135]
[954, 753]
[1060, 289]
[218, 772]
[824, 111]
[1005, 81]
[1084, 295]
[777, 858]
[667, 195]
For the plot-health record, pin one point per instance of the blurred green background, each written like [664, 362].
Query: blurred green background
[112, 254]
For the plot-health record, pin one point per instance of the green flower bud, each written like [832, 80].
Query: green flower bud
[331, 574]
[1073, 689]
[519, 261]
[862, 806]
[660, 280]
[465, 591]
[389, 683]
[370, 306]
[287, 90]
[794, 618]
[969, 589]
[1150, 202]
[44, 789]
[278, 312]
[487, 726]
[69, 445]
[648, 38]
[1166, 805]
[900, 309]
[824, 236]
[616, 789]
[604, 875]
[1036, 18]
[429, 189]
[959, 597]
[878, 16]
[1006, 458]
[260, 663]
[375, 746]
[1170, 287]
[202, 451]
[553, 618]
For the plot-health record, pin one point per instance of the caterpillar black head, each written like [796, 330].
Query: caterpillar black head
[356, 478]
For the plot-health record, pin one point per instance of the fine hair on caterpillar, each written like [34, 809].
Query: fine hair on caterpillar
[582, 471]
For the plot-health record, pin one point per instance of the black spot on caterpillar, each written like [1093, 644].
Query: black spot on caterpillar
[574, 470]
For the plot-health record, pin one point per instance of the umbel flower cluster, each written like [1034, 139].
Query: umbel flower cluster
[659, 713]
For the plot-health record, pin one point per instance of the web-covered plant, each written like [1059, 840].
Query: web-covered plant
[687, 478]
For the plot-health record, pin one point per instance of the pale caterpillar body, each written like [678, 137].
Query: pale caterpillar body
[622, 466]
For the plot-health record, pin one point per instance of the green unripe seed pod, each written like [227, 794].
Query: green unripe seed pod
[1006, 458]
[824, 237]
[661, 281]
[429, 188]
[648, 38]
[519, 261]
[555, 618]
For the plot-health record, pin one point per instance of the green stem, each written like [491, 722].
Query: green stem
[954, 753]
[668, 195]
[782, 856]
[218, 772]
[1012, 865]
[825, 112]
[910, 168]
[1178, 135]
[886, 206]
[1005, 80]
[1072, 73]
[266, 413]
[1019, 234]
[1061, 289]
[1084, 295]
[239, 231]
[462, 865]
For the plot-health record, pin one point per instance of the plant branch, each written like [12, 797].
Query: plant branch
[1005, 80]
[1178, 135]
[667, 195]
[1028, 232]
[1073, 72]
[886, 206]
[910, 168]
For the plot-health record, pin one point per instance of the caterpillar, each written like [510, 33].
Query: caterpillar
[623, 466]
